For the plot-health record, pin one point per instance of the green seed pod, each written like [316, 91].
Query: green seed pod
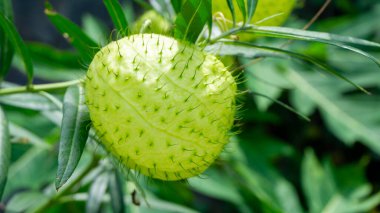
[157, 23]
[161, 107]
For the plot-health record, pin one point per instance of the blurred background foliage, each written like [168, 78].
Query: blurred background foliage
[278, 162]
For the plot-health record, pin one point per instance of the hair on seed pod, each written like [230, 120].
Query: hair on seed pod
[165, 107]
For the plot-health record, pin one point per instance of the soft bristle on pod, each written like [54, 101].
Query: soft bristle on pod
[161, 107]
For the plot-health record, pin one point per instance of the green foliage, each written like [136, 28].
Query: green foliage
[277, 162]
[192, 18]
[74, 133]
[323, 194]
[72, 33]
[117, 15]
[6, 49]
[15, 39]
[5, 151]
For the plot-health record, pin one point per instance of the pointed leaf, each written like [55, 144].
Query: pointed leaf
[317, 183]
[117, 15]
[251, 50]
[97, 191]
[192, 19]
[292, 33]
[84, 44]
[177, 4]
[351, 120]
[33, 101]
[15, 39]
[74, 133]
[251, 8]
[5, 151]
[6, 49]
[116, 192]
[242, 9]
[232, 10]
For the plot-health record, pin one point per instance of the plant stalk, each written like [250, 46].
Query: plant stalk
[38, 87]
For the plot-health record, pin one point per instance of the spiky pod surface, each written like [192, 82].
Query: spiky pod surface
[161, 107]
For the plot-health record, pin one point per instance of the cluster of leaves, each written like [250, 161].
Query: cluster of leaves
[258, 171]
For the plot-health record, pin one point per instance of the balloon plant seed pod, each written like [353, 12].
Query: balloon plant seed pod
[160, 106]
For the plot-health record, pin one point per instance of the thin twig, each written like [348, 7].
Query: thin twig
[317, 15]
[312, 21]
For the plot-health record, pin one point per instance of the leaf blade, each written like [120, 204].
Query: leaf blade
[6, 49]
[313, 177]
[292, 33]
[232, 10]
[17, 42]
[74, 133]
[116, 192]
[251, 8]
[117, 15]
[334, 107]
[192, 19]
[176, 5]
[283, 53]
[5, 151]
[242, 9]
[96, 193]
[73, 33]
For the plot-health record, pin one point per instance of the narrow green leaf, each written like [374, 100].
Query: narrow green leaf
[177, 4]
[251, 8]
[74, 133]
[6, 9]
[286, 106]
[192, 19]
[265, 78]
[51, 55]
[33, 170]
[242, 9]
[33, 101]
[318, 185]
[70, 31]
[52, 64]
[243, 48]
[26, 200]
[352, 120]
[5, 151]
[97, 191]
[96, 29]
[17, 43]
[116, 192]
[6, 49]
[117, 15]
[292, 33]
[144, 4]
[360, 52]
[232, 10]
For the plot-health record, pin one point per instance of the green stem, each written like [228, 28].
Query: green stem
[38, 87]
[231, 32]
